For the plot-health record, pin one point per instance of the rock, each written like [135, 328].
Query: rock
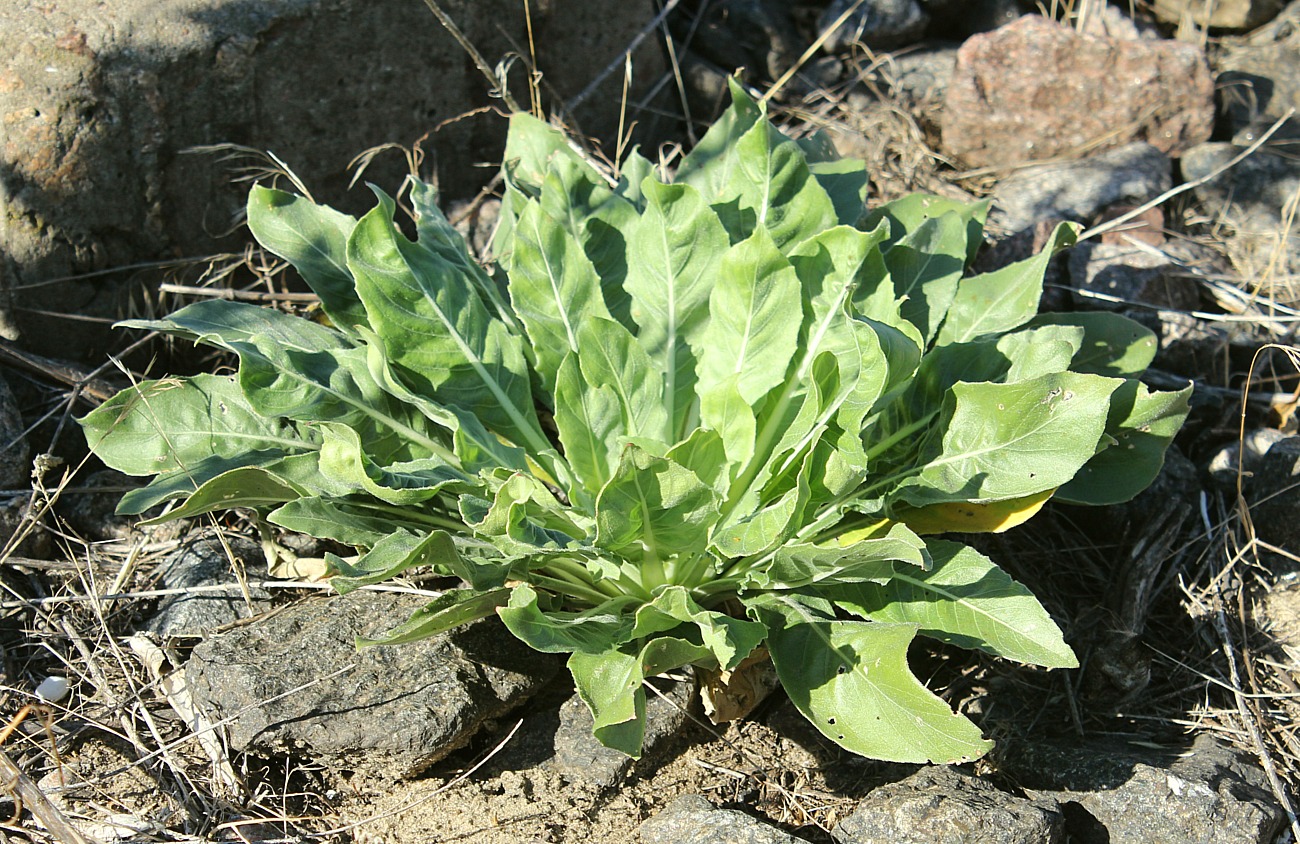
[15, 461]
[1246, 455]
[756, 35]
[1274, 495]
[206, 563]
[1251, 197]
[1221, 14]
[99, 101]
[295, 681]
[1035, 89]
[1079, 190]
[582, 758]
[1259, 80]
[876, 24]
[1113, 276]
[940, 805]
[1210, 795]
[916, 79]
[960, 19]
[1277, 616]
[692, 819]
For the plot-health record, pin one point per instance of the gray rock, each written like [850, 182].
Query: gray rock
[581, 758]
[1273, 491]
[206, 563]
[99, 101]
[692, 819]
[756, 35]
[1211, 795]
[877, 24]
[1251, 197]
[1246, 456]
[917, 78]
[1113, 276]
[940, 805]
[296, 682]
[15, 462]
[1259, 80]
[1079, 190]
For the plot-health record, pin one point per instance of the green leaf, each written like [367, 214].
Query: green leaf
[752, 326]
[794, 566]
[433, 325]
[709, 166]
[594, 631]
[729, 640]
[1012, 440]
[910, 212]
[653, 502]
[1039, 351]
[965, 600]
[589, 417]
[451, 610]
[1113, 345]
[351, 522]
[610, 683]
[1139, 429]
[391, 556]
[851, 680]
[845, 182]
[612, 358]
[1004, 299]
[174, 425]
[344, 459]
[554, 289]
[314, 239]
[926, 267]
[674, 250]
[247, 486]
[437, 234]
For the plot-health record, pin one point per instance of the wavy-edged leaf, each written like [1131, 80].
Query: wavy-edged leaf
[344, 459]
[554, 289]
[314, 239]
[752, 326]
[611, 358]
[797, 565]
[247, 486]
[1113, 345]
[391, 556]
[1004, 299]
[173, 425]
[450, 610]
[926, 266]
[551, 631]
[433, 325]
[728, 639]
[1139, 429]
[655, 503]
[352, 522]
[1013, 440]
[910, 212]
[674, 250]
[964, 599]
[852, 681]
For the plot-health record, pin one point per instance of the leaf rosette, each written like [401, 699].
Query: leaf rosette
[677, 419]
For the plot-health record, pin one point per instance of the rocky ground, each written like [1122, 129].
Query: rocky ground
[213, 700]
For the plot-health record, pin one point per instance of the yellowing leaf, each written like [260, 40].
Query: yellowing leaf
[964, 517]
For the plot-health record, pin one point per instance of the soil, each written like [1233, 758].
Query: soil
[1183, 619]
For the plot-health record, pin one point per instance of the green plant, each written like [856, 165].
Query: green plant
[675, 421]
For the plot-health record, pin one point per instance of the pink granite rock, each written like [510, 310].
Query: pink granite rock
[1036, 89]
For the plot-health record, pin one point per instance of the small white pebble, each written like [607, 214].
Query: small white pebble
[52, 689]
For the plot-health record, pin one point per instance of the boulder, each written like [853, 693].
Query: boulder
[294, 681]
[100, 103]
[1036, 89]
